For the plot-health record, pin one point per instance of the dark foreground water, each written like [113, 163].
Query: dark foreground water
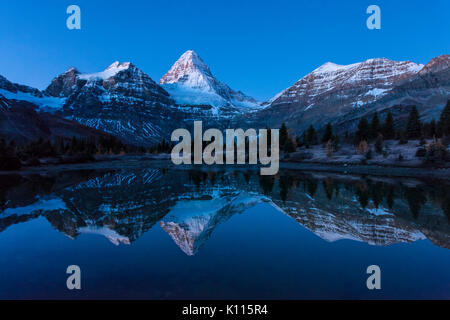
[171, 234]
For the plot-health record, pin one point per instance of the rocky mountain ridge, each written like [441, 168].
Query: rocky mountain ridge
[341, 95]
[124, 101]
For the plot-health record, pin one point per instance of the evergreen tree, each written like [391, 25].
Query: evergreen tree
[374, 126]
[444, 120]
[283, 135]
[2, 146]
[363, 130]
[286, 142]
[328, 134]
[388, 127]
[59, 146]
[432, 129]
[12, 148]
[289, 146]
[413, 127]
[311, 136]
[298, 141]
[304, 139]
[73, 145]
[8, 156]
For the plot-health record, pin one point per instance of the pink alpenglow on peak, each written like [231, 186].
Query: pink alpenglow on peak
[190, 82]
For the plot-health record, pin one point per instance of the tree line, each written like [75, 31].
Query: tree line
[368, 131]
[371, 130]
[414, 128]
[12, 156]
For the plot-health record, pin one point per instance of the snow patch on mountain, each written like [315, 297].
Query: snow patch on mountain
[18, 92]
[330, 67]
[45, 103]
[185, 95]
[40, 205]
[108, 233]
[111, 71]
[379, 211]
[377, 93]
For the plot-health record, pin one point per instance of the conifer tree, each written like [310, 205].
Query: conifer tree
[444, 120]
[328, 134]
[311, 135]
[283, 134]
[2, 146]
[388, 127]
[289, 146]
[305, 139]
[432, 129]
[363, 130]
[374, 126]
[413, 127]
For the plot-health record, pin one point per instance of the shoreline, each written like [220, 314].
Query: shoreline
[142, 161]
[370, 169]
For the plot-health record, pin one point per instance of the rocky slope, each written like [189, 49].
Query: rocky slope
[354, 84]
[429, 90]
[342, 94]
[17, 92]
[21, 121]
[121, 100]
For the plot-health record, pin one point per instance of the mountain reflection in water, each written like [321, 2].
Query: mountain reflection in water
[122, 205]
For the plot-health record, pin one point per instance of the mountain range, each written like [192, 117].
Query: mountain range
[342, 94]
[125, 102]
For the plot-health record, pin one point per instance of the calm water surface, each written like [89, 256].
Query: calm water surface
[173, 234]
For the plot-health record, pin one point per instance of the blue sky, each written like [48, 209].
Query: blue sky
[259, 47]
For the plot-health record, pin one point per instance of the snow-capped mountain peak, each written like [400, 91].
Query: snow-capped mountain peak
[330, 67]
[120, 100]
[189, 62]
[72, 70]
[190, 82]
[332, 92]
[190, 71]
[372, 74]
[371, 69]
